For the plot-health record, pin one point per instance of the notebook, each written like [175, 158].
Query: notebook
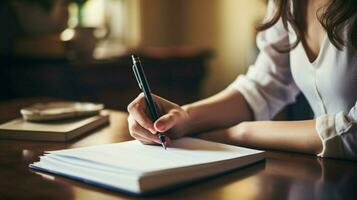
[63, 130]
[139, 169]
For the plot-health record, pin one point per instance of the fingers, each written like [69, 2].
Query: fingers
[140, 133]
[161, 103]
[166, 122]
[140, 125]
[137, 111]
[143, 140]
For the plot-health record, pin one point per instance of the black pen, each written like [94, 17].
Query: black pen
[144, 86]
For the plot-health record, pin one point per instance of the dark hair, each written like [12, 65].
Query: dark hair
[334, 17]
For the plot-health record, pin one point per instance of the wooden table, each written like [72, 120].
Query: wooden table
[282, 176]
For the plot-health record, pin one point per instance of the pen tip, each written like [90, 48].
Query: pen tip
[163, 145]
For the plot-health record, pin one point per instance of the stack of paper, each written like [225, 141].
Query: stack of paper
[137, 168]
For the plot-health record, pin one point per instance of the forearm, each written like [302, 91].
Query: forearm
[297, 136]
[222, 110]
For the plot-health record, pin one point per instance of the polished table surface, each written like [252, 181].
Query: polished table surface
[281, 176]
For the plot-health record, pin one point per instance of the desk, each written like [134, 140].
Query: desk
[282, 176]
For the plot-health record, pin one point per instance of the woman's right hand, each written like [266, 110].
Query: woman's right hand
[172, 123]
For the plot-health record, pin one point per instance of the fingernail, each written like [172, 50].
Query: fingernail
[160, 125]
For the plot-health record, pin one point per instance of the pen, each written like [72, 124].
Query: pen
[144, 86]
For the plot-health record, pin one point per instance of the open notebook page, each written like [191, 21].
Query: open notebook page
[134, 156]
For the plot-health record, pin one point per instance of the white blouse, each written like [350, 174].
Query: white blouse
[329, 83]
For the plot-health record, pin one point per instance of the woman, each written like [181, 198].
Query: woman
[306, 46]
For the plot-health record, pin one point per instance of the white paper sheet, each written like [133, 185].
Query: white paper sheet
[134, 156]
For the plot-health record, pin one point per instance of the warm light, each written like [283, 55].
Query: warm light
[67, 34]
[72, 21]
[94, 13]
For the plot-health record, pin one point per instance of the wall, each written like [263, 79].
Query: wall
[225, 26]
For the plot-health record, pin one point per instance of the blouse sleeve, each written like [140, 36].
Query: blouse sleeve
[338, 133]
[268, 85]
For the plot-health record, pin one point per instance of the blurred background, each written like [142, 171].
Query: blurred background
[80, 49]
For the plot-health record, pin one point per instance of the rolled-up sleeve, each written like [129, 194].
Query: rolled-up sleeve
[268, 85]
[338, 133]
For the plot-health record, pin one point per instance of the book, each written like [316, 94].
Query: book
[62, 130]
[139, 169]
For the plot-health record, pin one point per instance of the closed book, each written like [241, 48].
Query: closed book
[62, 130]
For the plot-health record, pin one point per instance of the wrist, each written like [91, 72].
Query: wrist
[240, 132]
[186, 127]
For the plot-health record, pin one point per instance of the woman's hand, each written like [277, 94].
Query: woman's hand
[172, 123]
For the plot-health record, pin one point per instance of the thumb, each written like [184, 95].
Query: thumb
[166, 122]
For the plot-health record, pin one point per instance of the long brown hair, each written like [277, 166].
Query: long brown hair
[333, 19]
